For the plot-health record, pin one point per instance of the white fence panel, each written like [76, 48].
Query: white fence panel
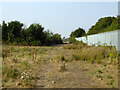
[107, 38]
[118, 48]
[95, 39]
[90, 40]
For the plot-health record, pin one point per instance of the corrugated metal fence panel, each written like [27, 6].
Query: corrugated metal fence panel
[106, 38]
[95, 39]
[103, 38]
[99, 39]
[118, 40]
[90, 40]
[114, 39]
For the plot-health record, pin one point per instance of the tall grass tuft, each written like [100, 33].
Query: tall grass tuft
[9, 72]
[94, 54]
[76, 45]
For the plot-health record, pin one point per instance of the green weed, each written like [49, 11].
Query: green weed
[10, 72]
[109, 77]
[99, 71]
[111, 82]
[24, 63]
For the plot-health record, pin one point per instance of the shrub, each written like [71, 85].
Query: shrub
[35, 43]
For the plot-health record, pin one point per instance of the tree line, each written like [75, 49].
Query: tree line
[14, 33]
[103, 25]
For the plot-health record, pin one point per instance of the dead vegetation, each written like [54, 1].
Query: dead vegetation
[32, 66]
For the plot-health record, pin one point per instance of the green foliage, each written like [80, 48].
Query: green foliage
[10, 72]
[99, 71]
[35, 33]
[35, 43]
[56, 38]
[14, 33]
[118, 21]
[104, 25]
[99, 76]
[78, 33]
[111, 82]
[14, 30]
[109, 77]
[24, 63]
[72, 39]
[65, 39]
[4, 31]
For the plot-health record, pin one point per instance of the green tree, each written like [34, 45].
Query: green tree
[72, 39]
[4, 31]
[118, 21]
[57, 39]
[16, 34]
[48, 37]
[103, 25]
[78, 33]
[35, 33]
[14, 31]
[52, 38]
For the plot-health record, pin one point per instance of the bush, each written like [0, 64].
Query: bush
[14, 43]
[36, 43]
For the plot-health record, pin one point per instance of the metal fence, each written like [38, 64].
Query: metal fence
[111, 38]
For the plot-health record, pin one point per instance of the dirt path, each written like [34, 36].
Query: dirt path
[79, 74]
[50, 77]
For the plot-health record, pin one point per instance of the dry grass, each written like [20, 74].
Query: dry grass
[18, 60]
[94, 54]
[76, 46]
[23, 66]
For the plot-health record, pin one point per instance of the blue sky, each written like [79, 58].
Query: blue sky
[59, 17]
